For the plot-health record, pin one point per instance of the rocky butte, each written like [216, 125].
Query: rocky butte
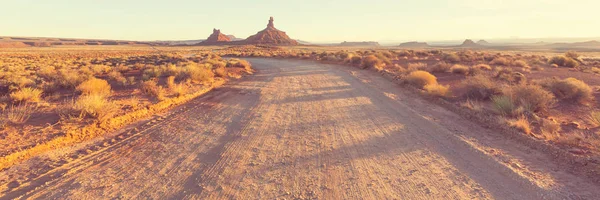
[216, 38]
[270, 36]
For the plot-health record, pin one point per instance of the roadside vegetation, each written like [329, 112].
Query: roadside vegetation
[67, 96]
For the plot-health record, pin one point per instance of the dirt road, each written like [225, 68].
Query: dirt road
[303, 130]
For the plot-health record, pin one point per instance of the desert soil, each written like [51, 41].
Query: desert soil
[304, 130]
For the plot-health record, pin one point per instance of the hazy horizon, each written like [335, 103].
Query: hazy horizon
[314, 21]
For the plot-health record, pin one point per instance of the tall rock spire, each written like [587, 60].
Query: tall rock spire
[270, 25]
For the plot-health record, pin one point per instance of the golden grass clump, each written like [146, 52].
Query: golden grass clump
[96, 106]
[19, 114]
[521, 124]
[420, 79]
[221, 72]
[460, 69]
[437, 90]
[26, 95]
[94, 86]
[500, 61]
[594, 118]
[483, 67]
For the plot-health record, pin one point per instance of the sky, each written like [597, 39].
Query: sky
[310, 20]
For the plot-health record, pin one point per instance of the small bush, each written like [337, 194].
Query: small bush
[564, 61]
[570, 89]
[151, 88]
[521, 124]
[451, 58]
[116, 76]
[504, 105]
[549, 129]
[26, 95]
[240, 63]
[20, 114]
[500, 61]
[522, 64]
[179, 89]
[437, 90]
[371, 61]
[440, 67]
[356, 60]
[421, 78]
[480, 87]
[94, 86]
[532, 98]
[96, 106]
[459, 69]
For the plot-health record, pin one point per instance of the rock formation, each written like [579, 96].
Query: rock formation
[216, 38]
[414, 44]
[364, 43]
[469, 43]
[270, 36]
[483, 42]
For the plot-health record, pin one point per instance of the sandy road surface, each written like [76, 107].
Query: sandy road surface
[302, 130]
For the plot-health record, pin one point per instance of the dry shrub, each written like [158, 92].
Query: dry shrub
[451, 58]
[521, 124]
[500, 61]
[356, 60]
[198, 74]
[507, 74]
[459, 69]
[483, 67]
[564, 61]
[19, 114]
[69, 78]
[569, 89]
[480, 87]
[572, 54]
[26, 95]
[179, 89]
[420, 79]
[96, 106]
[94, 86]
[437, 90]
[240, 63]
[415, 67]
[440, 67]
[151, 88]
[371, 61]
[532, 98]
[504, 105]
[116, 76]
[522, 64]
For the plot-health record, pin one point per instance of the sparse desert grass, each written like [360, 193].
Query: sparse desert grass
[440, 67]
[152, 89]
[501, 61]
[198, 74]
[96, 106]
[420, 79]
[483, 67]
[19, 114]
[522, 64]
[549, 129]
[26, 95]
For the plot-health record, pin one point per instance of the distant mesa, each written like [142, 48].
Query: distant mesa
[270, 36]
[216, 38]
[364, 43]
[469, 43]
[414, 44]
[483, 42]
